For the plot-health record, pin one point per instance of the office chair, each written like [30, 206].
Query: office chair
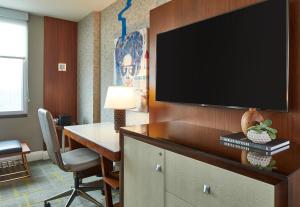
[74, 161]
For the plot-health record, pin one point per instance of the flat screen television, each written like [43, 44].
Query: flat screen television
[238, 59]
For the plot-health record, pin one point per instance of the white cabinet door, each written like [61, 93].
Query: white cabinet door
[143, 174]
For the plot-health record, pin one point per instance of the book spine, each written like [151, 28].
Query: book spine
[236, 146]
[260, 146]
[235, 141]
[247, 144]
[248, 149]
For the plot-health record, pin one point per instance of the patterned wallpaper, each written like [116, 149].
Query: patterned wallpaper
[96, 61]
[137, 18]
[88, 69]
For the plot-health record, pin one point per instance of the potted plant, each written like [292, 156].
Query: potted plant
[262, 132]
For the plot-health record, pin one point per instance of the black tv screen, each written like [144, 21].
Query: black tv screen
[238, 59]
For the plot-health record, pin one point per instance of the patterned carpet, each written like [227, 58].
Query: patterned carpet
[46, 180]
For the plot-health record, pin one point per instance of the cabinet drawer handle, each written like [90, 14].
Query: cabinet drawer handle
[206, 189]
[158, 168]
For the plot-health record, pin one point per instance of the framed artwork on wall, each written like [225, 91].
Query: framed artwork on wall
[131, 65]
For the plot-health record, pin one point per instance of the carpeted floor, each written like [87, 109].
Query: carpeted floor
[46, 180]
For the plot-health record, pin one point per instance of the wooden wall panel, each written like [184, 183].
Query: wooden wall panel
[60, 88]
[178, 13]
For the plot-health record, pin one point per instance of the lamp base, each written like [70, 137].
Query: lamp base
[119, 119]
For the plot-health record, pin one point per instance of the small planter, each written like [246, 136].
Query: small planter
[261, 133]
[261, 161]
[258, 160]
[259, 138]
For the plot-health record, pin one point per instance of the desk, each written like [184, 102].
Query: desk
[102, 139]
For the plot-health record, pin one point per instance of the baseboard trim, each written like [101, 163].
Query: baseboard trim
[38, 155]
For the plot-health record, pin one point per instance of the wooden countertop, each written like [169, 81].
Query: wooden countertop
[203, 144]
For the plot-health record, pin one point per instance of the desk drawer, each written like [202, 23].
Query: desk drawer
[186, 177]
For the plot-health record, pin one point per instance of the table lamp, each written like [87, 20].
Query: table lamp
[120, 98]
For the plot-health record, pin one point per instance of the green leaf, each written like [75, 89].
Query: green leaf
[267, 122]
[271, 130]
[259, 131]
[252, 127]
[260, 126]
[273, 136]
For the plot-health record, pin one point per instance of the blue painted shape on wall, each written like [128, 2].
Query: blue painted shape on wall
[123, 19]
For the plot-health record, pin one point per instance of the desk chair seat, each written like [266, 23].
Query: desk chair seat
[74, 161]
[80, 160]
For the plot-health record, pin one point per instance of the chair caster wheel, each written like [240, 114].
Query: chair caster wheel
[46, 204]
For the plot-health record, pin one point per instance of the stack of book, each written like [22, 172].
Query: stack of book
[240, 139]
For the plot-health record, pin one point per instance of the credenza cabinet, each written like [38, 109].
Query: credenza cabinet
[154, 177]
[179, 164]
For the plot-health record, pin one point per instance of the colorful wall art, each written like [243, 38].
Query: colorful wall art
[131, 65]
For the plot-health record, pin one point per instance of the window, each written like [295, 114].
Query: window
[13, 66]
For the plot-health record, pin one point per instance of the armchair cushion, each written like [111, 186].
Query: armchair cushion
[10, 147]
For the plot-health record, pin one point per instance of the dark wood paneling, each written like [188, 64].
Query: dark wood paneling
[178, 13]
[60, 88]
[294, 190]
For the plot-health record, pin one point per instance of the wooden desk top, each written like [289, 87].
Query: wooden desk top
[204, 144]
[100, 137]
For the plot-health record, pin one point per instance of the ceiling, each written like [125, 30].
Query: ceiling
[73, 10]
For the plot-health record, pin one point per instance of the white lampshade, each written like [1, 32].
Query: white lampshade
[120, 97]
